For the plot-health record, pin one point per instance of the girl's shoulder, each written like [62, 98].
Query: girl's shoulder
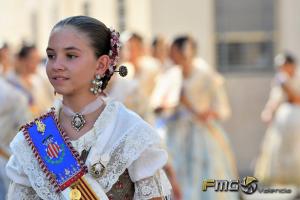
[127, 122]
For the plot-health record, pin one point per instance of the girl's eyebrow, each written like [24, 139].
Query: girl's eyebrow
[66, 49]
[49, 49]
[72, 48]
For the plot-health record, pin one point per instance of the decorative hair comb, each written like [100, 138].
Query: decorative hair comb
[122, 71]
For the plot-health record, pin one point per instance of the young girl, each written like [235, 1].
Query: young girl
[119, 149]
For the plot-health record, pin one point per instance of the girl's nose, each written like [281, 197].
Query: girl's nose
[58, 65]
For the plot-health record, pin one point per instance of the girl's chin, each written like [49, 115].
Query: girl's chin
[62, 92]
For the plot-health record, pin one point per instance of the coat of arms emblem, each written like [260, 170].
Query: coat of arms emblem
[53, 149]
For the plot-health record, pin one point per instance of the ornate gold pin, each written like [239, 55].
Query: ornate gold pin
[97, 170]
[40, 126]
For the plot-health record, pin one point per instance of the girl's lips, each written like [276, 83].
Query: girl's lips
[59, 80]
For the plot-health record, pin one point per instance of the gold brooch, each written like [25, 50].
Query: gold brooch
[97, 170]
[40, 126]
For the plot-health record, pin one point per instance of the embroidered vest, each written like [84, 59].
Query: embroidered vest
[123, 189]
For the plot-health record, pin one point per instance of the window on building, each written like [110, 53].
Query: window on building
[245, 32]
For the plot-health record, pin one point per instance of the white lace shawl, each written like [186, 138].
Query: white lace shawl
[122, 137]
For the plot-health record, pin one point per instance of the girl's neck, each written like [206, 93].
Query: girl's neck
[78, 102]
[90, 119]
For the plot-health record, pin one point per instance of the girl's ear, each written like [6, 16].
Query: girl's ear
[103, 63]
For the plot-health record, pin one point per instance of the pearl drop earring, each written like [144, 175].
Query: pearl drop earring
[97, 84]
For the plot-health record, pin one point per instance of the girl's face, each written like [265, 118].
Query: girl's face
[72, 63]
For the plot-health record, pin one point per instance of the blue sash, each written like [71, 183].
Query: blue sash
[54, 152]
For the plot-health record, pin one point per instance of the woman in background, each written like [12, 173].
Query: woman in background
[27, 79]
[279, 160]
[197, 143]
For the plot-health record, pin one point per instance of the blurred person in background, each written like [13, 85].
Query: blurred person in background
[136, 89]
[167, 88]
[197, 143]
[164, 98]
[160, 51]
[5, 59]
[27, 79]
[279, 161]
[13, 113]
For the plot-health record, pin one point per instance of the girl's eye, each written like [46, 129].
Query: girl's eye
[70, 56]
[50, 56]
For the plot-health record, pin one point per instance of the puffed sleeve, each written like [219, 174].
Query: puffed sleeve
[15, 172]
[147, 174]
[19, 187]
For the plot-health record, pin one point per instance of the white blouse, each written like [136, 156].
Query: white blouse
[120, 140]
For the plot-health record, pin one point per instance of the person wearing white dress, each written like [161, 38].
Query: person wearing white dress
[279, 162]
[197, 143]
[82, 57]
[28, 79]
[5, 59]
[164, 98]
[13, 113]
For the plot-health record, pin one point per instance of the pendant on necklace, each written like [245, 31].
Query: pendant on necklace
[78, 121]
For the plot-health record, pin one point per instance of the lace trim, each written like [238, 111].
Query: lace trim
[155, 186]
[31, 168]
[127, 150]
[86, 141]
[106, 116]
[17, 191]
